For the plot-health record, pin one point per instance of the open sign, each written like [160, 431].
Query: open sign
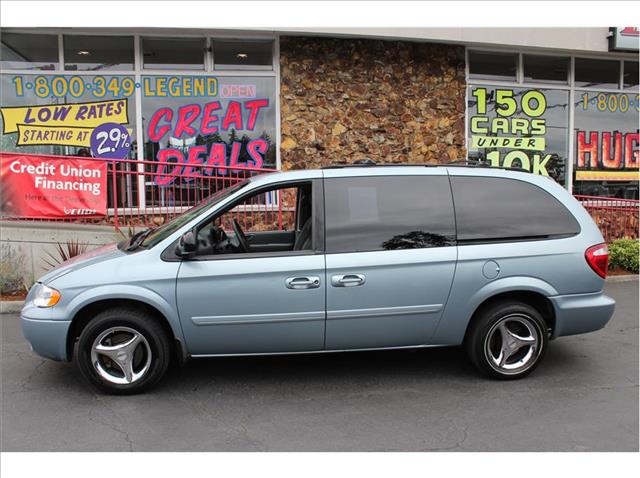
[238, 91]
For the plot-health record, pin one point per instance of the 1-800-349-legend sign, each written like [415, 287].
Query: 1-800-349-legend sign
[76, 86]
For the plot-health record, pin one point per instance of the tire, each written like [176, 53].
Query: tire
[507, 340]
[117, 338]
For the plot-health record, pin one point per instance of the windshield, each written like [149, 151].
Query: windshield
[161, 233]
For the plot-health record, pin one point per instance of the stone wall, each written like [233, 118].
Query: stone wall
[349, 99]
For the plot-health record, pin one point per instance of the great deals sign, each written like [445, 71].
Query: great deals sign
[207, 120]
[35, 186]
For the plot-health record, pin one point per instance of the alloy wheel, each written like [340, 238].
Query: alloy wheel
[121, 355]
[513, 344]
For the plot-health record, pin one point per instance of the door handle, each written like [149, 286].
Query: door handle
[305, 282]
[347, 280]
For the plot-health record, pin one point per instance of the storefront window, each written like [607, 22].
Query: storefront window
[597, 73]
[493, 66]
[173, 53]
[520, 127]
[55, 114]
[216, 121]
[606, 155]
[84, 52]
[226, 124]
[630, 77]
[28, 52]
[548, 69]
[61, 114]
[230, 54]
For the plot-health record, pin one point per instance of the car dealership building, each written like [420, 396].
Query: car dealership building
[561, 102]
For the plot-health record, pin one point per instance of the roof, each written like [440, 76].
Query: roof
[368, 163]
[370, 168]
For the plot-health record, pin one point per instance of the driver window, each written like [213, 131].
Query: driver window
[275, 220]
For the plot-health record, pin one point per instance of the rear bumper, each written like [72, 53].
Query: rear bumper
[581, 313]
[47, 336]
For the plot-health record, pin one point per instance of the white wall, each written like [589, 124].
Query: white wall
[591, 40]
[33, 240]
[583, 40]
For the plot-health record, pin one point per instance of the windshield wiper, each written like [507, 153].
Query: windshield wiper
[136, 239]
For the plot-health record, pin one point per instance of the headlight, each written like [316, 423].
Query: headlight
[45, 296]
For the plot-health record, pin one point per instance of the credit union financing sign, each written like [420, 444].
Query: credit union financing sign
[39, 186]
[624, 39]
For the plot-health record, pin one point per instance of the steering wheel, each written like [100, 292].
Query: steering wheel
[243, 242]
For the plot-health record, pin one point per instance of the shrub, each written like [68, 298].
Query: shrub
[624, 253]
[12, 271]
[66, 251]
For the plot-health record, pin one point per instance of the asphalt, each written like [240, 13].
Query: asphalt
[583, 397]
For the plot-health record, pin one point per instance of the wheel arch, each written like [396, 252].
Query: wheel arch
[88, 310]
[467, 299]
[535, 299]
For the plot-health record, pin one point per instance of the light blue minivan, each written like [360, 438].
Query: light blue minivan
[353, 258]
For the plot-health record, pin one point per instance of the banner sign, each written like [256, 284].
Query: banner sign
[35, 186]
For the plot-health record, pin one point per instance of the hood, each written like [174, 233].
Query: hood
[95, 256]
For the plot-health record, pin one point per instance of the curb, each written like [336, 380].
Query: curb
[11, 306]
[15, 306]
[624, 278]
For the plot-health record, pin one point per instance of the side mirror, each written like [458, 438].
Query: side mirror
[187, 245]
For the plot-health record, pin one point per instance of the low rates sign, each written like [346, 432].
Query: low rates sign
[30, 135]
[64, 124]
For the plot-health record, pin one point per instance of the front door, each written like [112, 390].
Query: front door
[257, 284]
[391, 257]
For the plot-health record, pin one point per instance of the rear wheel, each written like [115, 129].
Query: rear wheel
[507, 340]
[123, 351]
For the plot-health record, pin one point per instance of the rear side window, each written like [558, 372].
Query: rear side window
[494, 209]
[388, 213]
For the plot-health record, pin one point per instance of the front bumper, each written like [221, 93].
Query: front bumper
[581, 313]
[47, 336]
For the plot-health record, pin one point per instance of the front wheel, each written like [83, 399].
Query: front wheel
[123, 351]
[507, 340]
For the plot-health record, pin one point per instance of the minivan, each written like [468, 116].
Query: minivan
[348, 258]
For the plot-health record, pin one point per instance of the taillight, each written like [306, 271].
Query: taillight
[598, 258]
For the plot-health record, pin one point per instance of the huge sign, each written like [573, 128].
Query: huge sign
[607, 137]
[35, 186]
[607, 155]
